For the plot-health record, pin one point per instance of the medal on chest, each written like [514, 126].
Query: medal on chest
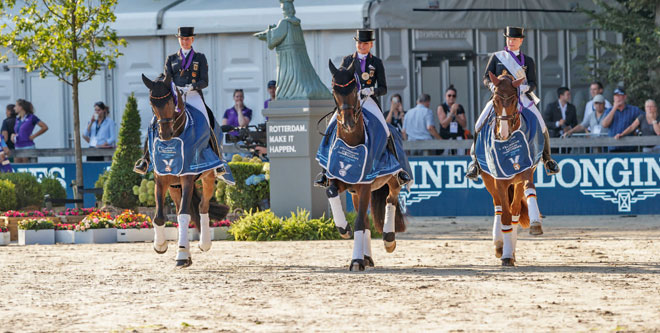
[365, 76]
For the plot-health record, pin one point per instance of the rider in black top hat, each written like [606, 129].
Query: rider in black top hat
[190, 72]
[371, 75]
[514, 39]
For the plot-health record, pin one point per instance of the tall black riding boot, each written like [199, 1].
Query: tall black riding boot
[142, 164]
[321, 180]
[551, 166]
[473, 169]
[215, 145]
[402, 177]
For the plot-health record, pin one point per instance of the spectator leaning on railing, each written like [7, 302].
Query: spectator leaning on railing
[647, 123]
[593, 121]
[596, 88]
[100, 132]
[418, 123]
[8, 125]
[620, 117]
[26, 121]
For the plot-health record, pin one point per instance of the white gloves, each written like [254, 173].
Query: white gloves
[367, 91]
[188, 87]
[524, 88]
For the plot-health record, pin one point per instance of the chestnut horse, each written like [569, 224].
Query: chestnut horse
[515, 198]
[383, 192]
[171, 123]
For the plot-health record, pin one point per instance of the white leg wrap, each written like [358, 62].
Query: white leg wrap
[507, 249]
[159, 234]
[205, 233]
[338, 212]
[514, 235]
[367, 242]
[390, 211]
[497, 225]
[358, 244]
[532, 205]
[184, 221]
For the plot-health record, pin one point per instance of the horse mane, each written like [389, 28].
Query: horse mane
[341, 82]
[159, 91]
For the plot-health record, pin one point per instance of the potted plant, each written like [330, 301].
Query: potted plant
[12, 217]
[4, 235]
[171, 231]
[65, 233]
[75, 215]
[96, 228]
[36, 231]
[133, 227]
[220, 230]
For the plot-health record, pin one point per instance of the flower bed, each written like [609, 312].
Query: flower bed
[36, 231]
[96, 228]
[133, 227]
[4, 236]
[11, 218]
[220, 230]
[75, 215]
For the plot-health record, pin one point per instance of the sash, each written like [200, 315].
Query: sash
[517, 71]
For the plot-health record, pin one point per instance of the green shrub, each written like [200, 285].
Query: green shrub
[27, 188]
[350, 217]
[118, 189]
[100, 183]
[145, 193]
[221, 192]
[266, 226]
[241, 195]
[7, 195]
[53, 187]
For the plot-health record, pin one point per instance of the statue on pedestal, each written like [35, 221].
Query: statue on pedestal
[296, 78]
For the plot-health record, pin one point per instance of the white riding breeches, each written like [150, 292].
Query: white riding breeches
[193, 98]
[369, 105]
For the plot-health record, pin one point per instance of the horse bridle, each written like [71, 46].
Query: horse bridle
[357, 107]
[163, 120]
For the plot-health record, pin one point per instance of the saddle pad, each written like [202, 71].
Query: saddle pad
[347, 163]
[168, 156]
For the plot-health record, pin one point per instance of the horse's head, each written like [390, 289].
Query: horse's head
[505, 103]
[344, 91]
[162, 99]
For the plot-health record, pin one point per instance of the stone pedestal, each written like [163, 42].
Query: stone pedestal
[293, 139]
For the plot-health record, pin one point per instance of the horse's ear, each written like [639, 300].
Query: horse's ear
[332, 67]
[147, 82]
[493, 78]
[518, 82]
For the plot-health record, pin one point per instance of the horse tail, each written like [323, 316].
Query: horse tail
[378, 202]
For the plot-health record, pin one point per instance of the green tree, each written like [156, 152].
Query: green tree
[118, 189]
[636, 60]
[70, 39]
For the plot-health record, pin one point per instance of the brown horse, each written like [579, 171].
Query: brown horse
[383, 192]
[171, 123]
[515, 198]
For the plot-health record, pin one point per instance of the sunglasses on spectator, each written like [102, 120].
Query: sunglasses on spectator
[451, 95]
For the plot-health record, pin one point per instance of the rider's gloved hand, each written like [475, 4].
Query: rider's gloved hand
[524, 88]
[367, 91]
[188, 87]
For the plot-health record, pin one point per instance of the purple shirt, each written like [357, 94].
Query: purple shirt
[232, 117]
[23, 129]
[266, 103]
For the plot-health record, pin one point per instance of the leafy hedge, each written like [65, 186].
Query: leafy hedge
[27, 188]
[53, 187]
[266, 226]
[100, 183]
[7, 195]
[252, 184]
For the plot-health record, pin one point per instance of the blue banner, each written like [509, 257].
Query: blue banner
[595, 184]
[65, 173]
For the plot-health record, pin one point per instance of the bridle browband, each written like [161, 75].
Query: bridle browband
[357, 107]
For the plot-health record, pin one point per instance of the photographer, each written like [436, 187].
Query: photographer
[251, 138]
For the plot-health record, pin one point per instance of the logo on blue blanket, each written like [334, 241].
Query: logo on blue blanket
[168, 156]
[343, 168]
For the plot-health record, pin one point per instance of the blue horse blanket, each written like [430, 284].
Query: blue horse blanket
[188, 154]
[521, 151]
[363, 163]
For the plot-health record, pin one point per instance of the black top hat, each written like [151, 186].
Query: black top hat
[186, 32]
[364, 35]
[514, 32]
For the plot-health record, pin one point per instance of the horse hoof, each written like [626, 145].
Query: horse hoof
[357, 265]
[498, 249]
[345, 233]
[389, 246]
[508, 262]
[204, 247]
[183, 263]
[368, 261]
[160, 249]
[535, 229]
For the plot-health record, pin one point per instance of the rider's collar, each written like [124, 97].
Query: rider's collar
[185, 52]
[516, 52]
[362, 56]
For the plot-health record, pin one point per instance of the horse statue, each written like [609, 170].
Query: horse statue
[366, 170]
[181, 154]
[508, 149]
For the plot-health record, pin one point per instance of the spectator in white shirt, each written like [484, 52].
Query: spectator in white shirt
[596, 88]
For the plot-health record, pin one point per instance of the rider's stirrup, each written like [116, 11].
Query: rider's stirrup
[473, 171]
[141, 167]
[403, 178]
[551, 166]
[321, 180]
[220, 171]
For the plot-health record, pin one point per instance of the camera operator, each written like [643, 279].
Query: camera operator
[251, 138]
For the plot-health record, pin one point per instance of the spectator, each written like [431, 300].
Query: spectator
[593, 121]
[596, 88]
[238, 115]
[418, 123]
[272, 88]
[100, 132]
[620, 117]
[647, 123]
[8, 125]
[5, 166]
[451, 116]
[395, 115]
[560, 116]
[25, 123]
